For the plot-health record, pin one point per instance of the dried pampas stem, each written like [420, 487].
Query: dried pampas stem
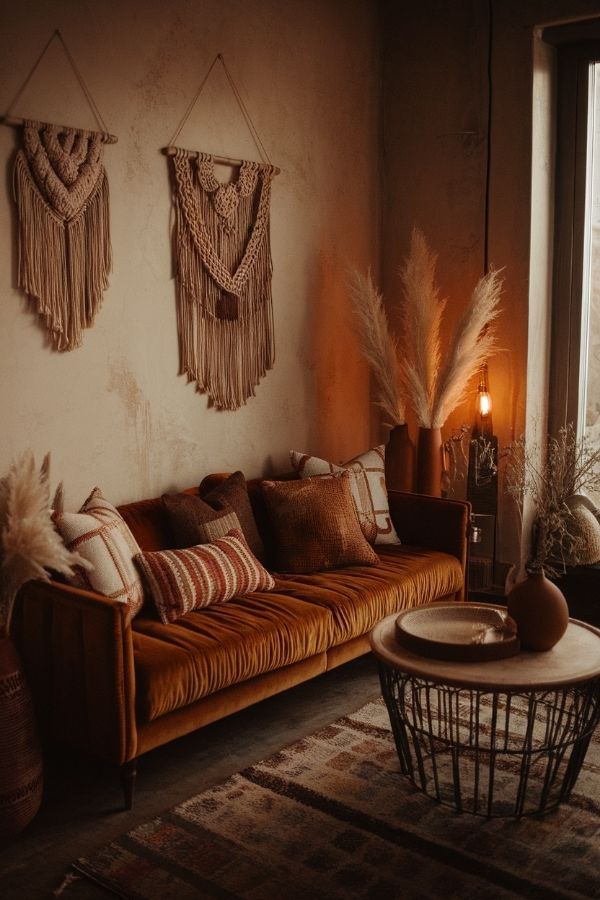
[29, 544]
[421, 321]
[378, 345]
[473, 343]
[436, 390]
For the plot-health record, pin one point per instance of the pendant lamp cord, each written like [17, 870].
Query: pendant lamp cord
[486, 232]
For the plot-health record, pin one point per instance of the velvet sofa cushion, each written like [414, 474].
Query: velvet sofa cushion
[213, 648]
[148, 524]
[360, 596]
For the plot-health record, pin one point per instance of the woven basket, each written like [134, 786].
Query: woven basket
[20, 756]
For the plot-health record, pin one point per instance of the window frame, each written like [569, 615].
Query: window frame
[568, 357]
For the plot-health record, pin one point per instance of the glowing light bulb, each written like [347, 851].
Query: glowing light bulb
[484, 402]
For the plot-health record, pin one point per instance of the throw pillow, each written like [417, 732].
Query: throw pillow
[99, 533]
[315, 524]
[217, 528]
[187, 515]
[368, 489]
[232, 494]
[585, 527]
[183, 580]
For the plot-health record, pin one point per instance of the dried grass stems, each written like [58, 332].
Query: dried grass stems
[378, 345]
[29, 545]
[549, 476]
[436, 389]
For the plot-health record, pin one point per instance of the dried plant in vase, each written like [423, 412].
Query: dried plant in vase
[556, 479]
[378, 344]
[29, 545]
[435, 387]
[380, 350]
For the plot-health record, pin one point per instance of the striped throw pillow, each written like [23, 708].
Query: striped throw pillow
[182, 580]
[100, 534]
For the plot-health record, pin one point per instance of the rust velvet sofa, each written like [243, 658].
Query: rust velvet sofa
[118, 688]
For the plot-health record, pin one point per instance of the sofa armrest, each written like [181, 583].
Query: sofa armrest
[77, 653]
[434, 523]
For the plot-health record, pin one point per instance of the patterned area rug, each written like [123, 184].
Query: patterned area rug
[331, 817]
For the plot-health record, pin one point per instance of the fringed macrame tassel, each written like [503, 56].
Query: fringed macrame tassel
[225, 357]
[224, 321]
[63, 265]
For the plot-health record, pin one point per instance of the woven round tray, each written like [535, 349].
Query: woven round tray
[467, 632]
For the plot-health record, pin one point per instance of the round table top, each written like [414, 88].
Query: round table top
[575, 658]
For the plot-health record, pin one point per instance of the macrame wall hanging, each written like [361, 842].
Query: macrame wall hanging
[222, 266]
[61, 192]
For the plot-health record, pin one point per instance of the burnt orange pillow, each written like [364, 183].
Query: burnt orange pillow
[315, 525]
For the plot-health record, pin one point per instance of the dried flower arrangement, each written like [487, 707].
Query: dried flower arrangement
[411, 367]
[551, 476]
[29, 545]
[435, 389]
[379, 346]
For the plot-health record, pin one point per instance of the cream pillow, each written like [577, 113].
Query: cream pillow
[367, 485]
[100, 534]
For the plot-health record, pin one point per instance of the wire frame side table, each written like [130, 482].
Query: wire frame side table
[505, 738]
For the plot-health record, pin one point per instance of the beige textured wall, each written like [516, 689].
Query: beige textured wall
[114, 412]
[435, 121]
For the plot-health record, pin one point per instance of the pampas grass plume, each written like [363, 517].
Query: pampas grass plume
[29, 544]
[436, 390]
[378, 345]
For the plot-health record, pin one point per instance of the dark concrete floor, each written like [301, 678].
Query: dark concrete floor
[82, 809]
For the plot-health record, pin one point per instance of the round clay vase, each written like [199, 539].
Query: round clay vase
[430, 462]
[400, 460]
[20, 755]
[540, 610]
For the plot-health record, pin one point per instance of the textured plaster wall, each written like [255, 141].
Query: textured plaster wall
[115, 412]
[435, 90]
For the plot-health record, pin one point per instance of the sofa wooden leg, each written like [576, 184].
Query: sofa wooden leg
[128, 773]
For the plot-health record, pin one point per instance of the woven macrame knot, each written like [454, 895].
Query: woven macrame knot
[226, 201]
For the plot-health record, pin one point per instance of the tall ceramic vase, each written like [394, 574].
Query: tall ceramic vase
[20, 755]
[430, 463]
[400, 460]
[540, 610]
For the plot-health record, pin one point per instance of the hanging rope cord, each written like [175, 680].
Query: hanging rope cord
[80, 80]
[247, 118]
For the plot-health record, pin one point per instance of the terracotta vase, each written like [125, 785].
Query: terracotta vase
[540, 610]
[400, 460]
[430, 463]
[20, 755]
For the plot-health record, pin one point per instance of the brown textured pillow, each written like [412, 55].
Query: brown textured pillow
[186, 514]
[232, 494]
[315, 524]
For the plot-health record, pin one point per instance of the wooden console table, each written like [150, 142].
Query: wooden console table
[501, 738]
